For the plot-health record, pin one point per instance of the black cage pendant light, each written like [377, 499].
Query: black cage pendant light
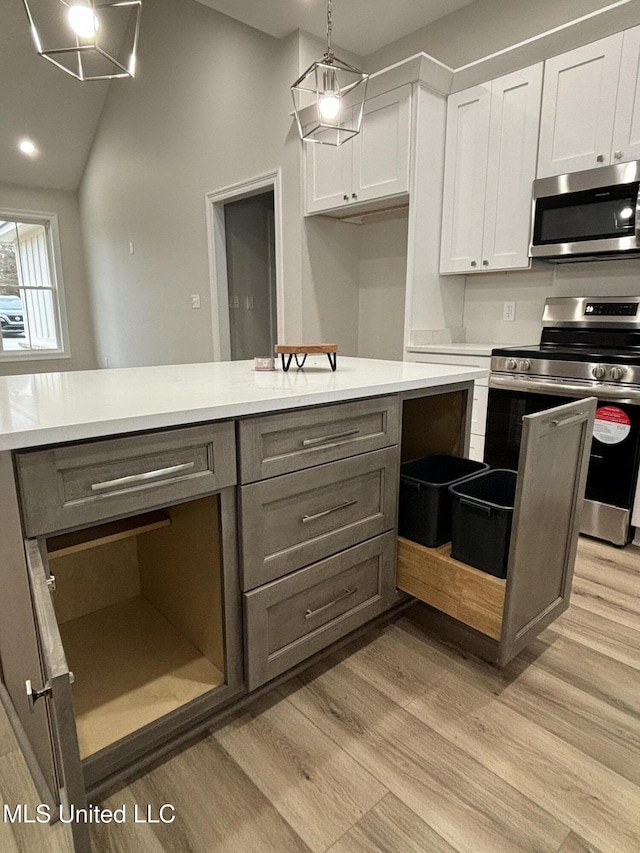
[334, 113]
[89, 39]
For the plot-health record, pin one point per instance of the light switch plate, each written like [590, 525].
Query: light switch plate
[509, 311]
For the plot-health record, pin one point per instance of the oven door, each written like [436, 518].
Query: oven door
[613, 463]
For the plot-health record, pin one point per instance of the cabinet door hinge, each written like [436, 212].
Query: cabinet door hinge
[33, 695]
[51, 583]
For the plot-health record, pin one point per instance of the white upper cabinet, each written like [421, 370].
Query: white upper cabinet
[373, 165]
[579, 108]
[626, 129]
[492, 139]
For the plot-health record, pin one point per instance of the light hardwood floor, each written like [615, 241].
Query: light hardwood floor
[399, 744]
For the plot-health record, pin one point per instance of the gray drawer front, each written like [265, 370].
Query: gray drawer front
[291, 521]
[295, 617]
[80, 484]
[279, 444]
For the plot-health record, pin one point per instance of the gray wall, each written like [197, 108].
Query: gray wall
[483, 28]
[65, 204]
[209, 107]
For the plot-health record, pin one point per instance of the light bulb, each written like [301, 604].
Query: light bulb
[82, 21]
[329, 105]
[27, 146]
[626, 213]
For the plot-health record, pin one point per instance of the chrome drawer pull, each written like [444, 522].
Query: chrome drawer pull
[575, 419]
[311, 442]
[344, 595]
[140, 478]
[306, 518]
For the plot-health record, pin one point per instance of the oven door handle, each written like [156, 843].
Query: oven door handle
[565, 389]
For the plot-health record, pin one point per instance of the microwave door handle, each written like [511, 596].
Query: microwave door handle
[638, 216]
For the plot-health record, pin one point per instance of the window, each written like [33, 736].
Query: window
[31, 309]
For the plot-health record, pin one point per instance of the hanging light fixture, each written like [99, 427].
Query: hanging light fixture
[334, 114]
[89, 39]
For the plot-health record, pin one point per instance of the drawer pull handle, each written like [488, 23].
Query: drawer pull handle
[306, 518]
[140, 478]
[311, 442]
[310, 613]
[575, 419]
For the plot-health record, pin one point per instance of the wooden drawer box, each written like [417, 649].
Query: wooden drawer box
[279, 444]
[469, 595]
[291, 521]
[292, 618]
[79, 484]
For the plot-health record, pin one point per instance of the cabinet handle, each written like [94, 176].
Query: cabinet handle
[310, 613]
[140, 478]
[345, 197]
[600, 158]
[354, 195]
[307, 518]
[575, 419]
[485, 263]
[474, 263]
[33, 695]
[311, 442]
[617, 155]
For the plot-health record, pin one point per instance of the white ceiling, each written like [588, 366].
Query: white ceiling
[361, 26]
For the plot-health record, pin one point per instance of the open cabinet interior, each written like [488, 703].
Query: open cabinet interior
[431, 425]
[139, 606]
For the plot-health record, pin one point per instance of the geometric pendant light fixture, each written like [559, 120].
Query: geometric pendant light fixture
[89, 39]
[328, 99]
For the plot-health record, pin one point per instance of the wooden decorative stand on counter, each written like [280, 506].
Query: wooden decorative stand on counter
[296, 350]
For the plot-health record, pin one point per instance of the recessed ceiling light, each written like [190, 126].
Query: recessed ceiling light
[27, 146]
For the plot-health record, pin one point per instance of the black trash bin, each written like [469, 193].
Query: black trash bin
[425, 502]
[482, 513]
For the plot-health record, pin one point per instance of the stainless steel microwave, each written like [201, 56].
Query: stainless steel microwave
[590, 215]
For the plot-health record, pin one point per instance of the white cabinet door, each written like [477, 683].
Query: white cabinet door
[381, 150]
[465, 179]
[626, 130]
[328, 176]
[511, 168]
[578, 108]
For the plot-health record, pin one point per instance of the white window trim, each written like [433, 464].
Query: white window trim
[64, 350]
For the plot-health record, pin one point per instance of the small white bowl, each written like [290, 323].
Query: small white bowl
[264, 362]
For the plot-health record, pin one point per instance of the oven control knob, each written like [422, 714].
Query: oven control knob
[617, 372]
[511, 364]
[525, 364]
[598, 372]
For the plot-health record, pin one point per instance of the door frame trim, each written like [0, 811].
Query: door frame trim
[216, 244]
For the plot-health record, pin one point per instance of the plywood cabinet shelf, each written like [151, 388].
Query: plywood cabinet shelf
[104, 534]
[472, 597]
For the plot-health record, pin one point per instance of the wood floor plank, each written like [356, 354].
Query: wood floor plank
[16, 787]
[218, 809]
[575, 844]
[591, 724]
[587, 669]
[619, 565]
[397, 664]
[619, 642]
[600, 598]
[472, 809]
[320, 790]
[598, 803]
[391, 827]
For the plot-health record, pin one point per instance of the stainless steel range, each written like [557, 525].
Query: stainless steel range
[590, 347]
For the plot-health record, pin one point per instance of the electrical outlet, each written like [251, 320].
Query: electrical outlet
[250, 305]
[508, 311]
[234, 302]
[195, 300]
[132, 248]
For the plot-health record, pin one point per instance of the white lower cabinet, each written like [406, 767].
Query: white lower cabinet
[492, 138]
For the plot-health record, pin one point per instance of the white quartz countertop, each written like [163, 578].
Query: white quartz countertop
[458, 349]
[49, 408]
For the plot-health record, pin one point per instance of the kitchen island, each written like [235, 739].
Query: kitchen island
[179, 537]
